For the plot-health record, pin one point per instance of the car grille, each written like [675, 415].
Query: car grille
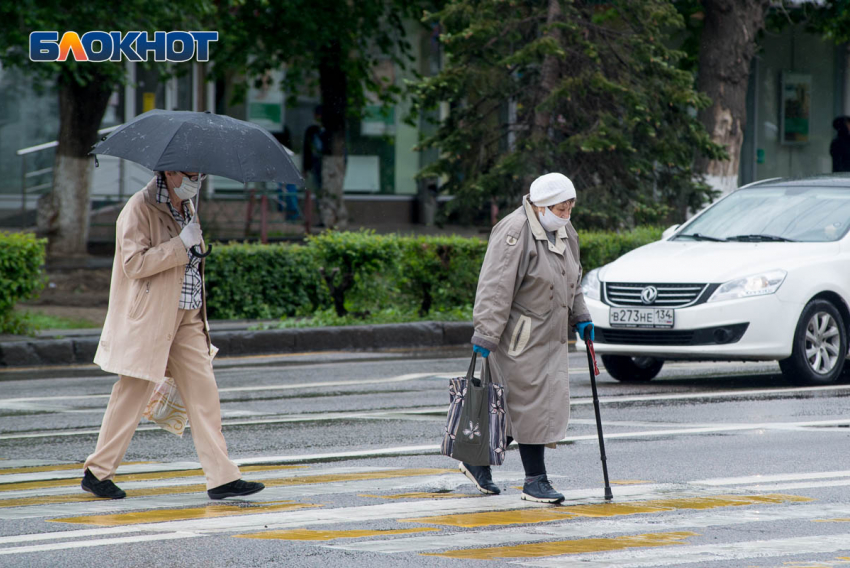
[703, 336]
[669, 295]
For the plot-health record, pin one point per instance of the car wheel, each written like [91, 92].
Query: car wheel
[820, 346]
[632, 369]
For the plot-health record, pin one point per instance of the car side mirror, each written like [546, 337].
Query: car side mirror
[668, 232]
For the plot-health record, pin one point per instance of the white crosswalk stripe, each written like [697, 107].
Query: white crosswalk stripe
[637, 528]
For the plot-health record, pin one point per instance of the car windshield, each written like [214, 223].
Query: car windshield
[807, 214]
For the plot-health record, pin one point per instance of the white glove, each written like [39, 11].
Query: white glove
[191, 235]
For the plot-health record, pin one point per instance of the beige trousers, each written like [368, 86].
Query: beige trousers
[190, 364]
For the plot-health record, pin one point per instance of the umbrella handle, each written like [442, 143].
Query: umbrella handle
[195, 250]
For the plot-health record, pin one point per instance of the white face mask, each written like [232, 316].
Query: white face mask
[550, 221]
[187, 189]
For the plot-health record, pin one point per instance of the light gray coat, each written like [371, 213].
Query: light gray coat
[529, 295]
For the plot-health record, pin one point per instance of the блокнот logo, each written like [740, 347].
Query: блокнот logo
[113, 46]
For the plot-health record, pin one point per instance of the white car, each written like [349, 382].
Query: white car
[762, 274]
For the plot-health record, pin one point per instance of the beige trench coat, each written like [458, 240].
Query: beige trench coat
[529, 295]
[144, 295]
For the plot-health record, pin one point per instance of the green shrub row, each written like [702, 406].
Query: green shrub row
[21, 277]
[360, 273]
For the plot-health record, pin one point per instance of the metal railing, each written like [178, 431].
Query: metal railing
[26, 176]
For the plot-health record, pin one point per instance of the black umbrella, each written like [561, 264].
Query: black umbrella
[185, 141]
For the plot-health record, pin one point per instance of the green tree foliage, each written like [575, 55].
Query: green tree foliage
[828, 18]
[590, 89]
[83, 89]
[327, 47]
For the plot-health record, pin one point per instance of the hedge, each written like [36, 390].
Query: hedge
[360, 272]
[262, 281]
[21, 277]
[598, 248]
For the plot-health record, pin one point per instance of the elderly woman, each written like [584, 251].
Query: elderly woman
[528, 294]
[157, 318]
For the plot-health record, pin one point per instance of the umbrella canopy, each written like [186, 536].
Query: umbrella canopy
[186, 141]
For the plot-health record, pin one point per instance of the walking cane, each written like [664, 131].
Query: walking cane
[594, 370]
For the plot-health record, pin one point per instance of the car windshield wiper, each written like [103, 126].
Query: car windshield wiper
[759, 238]
[701, 237]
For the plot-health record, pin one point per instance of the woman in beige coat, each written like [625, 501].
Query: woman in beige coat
[529, 294]
[157, 319]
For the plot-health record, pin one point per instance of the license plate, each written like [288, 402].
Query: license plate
[641, 317]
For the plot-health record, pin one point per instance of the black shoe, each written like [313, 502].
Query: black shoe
[236, 488]
[539, 489]
[105, 489]
[481, 477]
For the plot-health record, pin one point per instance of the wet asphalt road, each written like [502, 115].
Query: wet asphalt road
[712, 464]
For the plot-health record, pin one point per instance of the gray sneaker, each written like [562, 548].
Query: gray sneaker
[481, 477]
[539, 489]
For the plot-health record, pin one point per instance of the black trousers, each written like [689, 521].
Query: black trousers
[532, 458]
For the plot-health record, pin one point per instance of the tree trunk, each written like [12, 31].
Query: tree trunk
[727, 46]
[548, 74]
[64, 213]
[334, 87]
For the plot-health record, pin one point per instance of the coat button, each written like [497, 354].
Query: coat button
[550, 297]
[563, 341]
[572, 285]
[168, 336]
[563, 271]
[551, 286]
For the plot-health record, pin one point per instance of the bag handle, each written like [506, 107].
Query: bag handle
[485, 371]
[470, 374]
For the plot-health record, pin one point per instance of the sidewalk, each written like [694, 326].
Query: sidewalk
[234, 338]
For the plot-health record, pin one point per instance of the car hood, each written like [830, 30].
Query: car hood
[709, 262]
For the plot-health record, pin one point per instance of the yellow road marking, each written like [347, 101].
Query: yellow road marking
[578, 546]
[57, 467]
[154, 475]
[629, 482]
[306, 534]
[543, 515]
[334, 477]
[838, 520]
[422, 495]
[199, 488]
[163, 515]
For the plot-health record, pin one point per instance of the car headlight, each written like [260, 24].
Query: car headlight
[749, 286]
[590, 285]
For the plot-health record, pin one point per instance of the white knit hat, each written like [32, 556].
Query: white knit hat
[551, 189]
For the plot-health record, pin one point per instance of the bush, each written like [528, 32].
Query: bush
[440, 272]
[263, 281]
[21, 277]
[341, 277]
[359, 259]
[598, 248]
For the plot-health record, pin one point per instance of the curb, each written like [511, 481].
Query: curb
[81, 349]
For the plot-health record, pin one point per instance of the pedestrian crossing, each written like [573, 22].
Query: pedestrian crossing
[422, 515]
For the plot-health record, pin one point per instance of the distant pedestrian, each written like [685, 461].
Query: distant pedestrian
[840, 147]
[156, 320]
[529, 293]
[315, 147]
